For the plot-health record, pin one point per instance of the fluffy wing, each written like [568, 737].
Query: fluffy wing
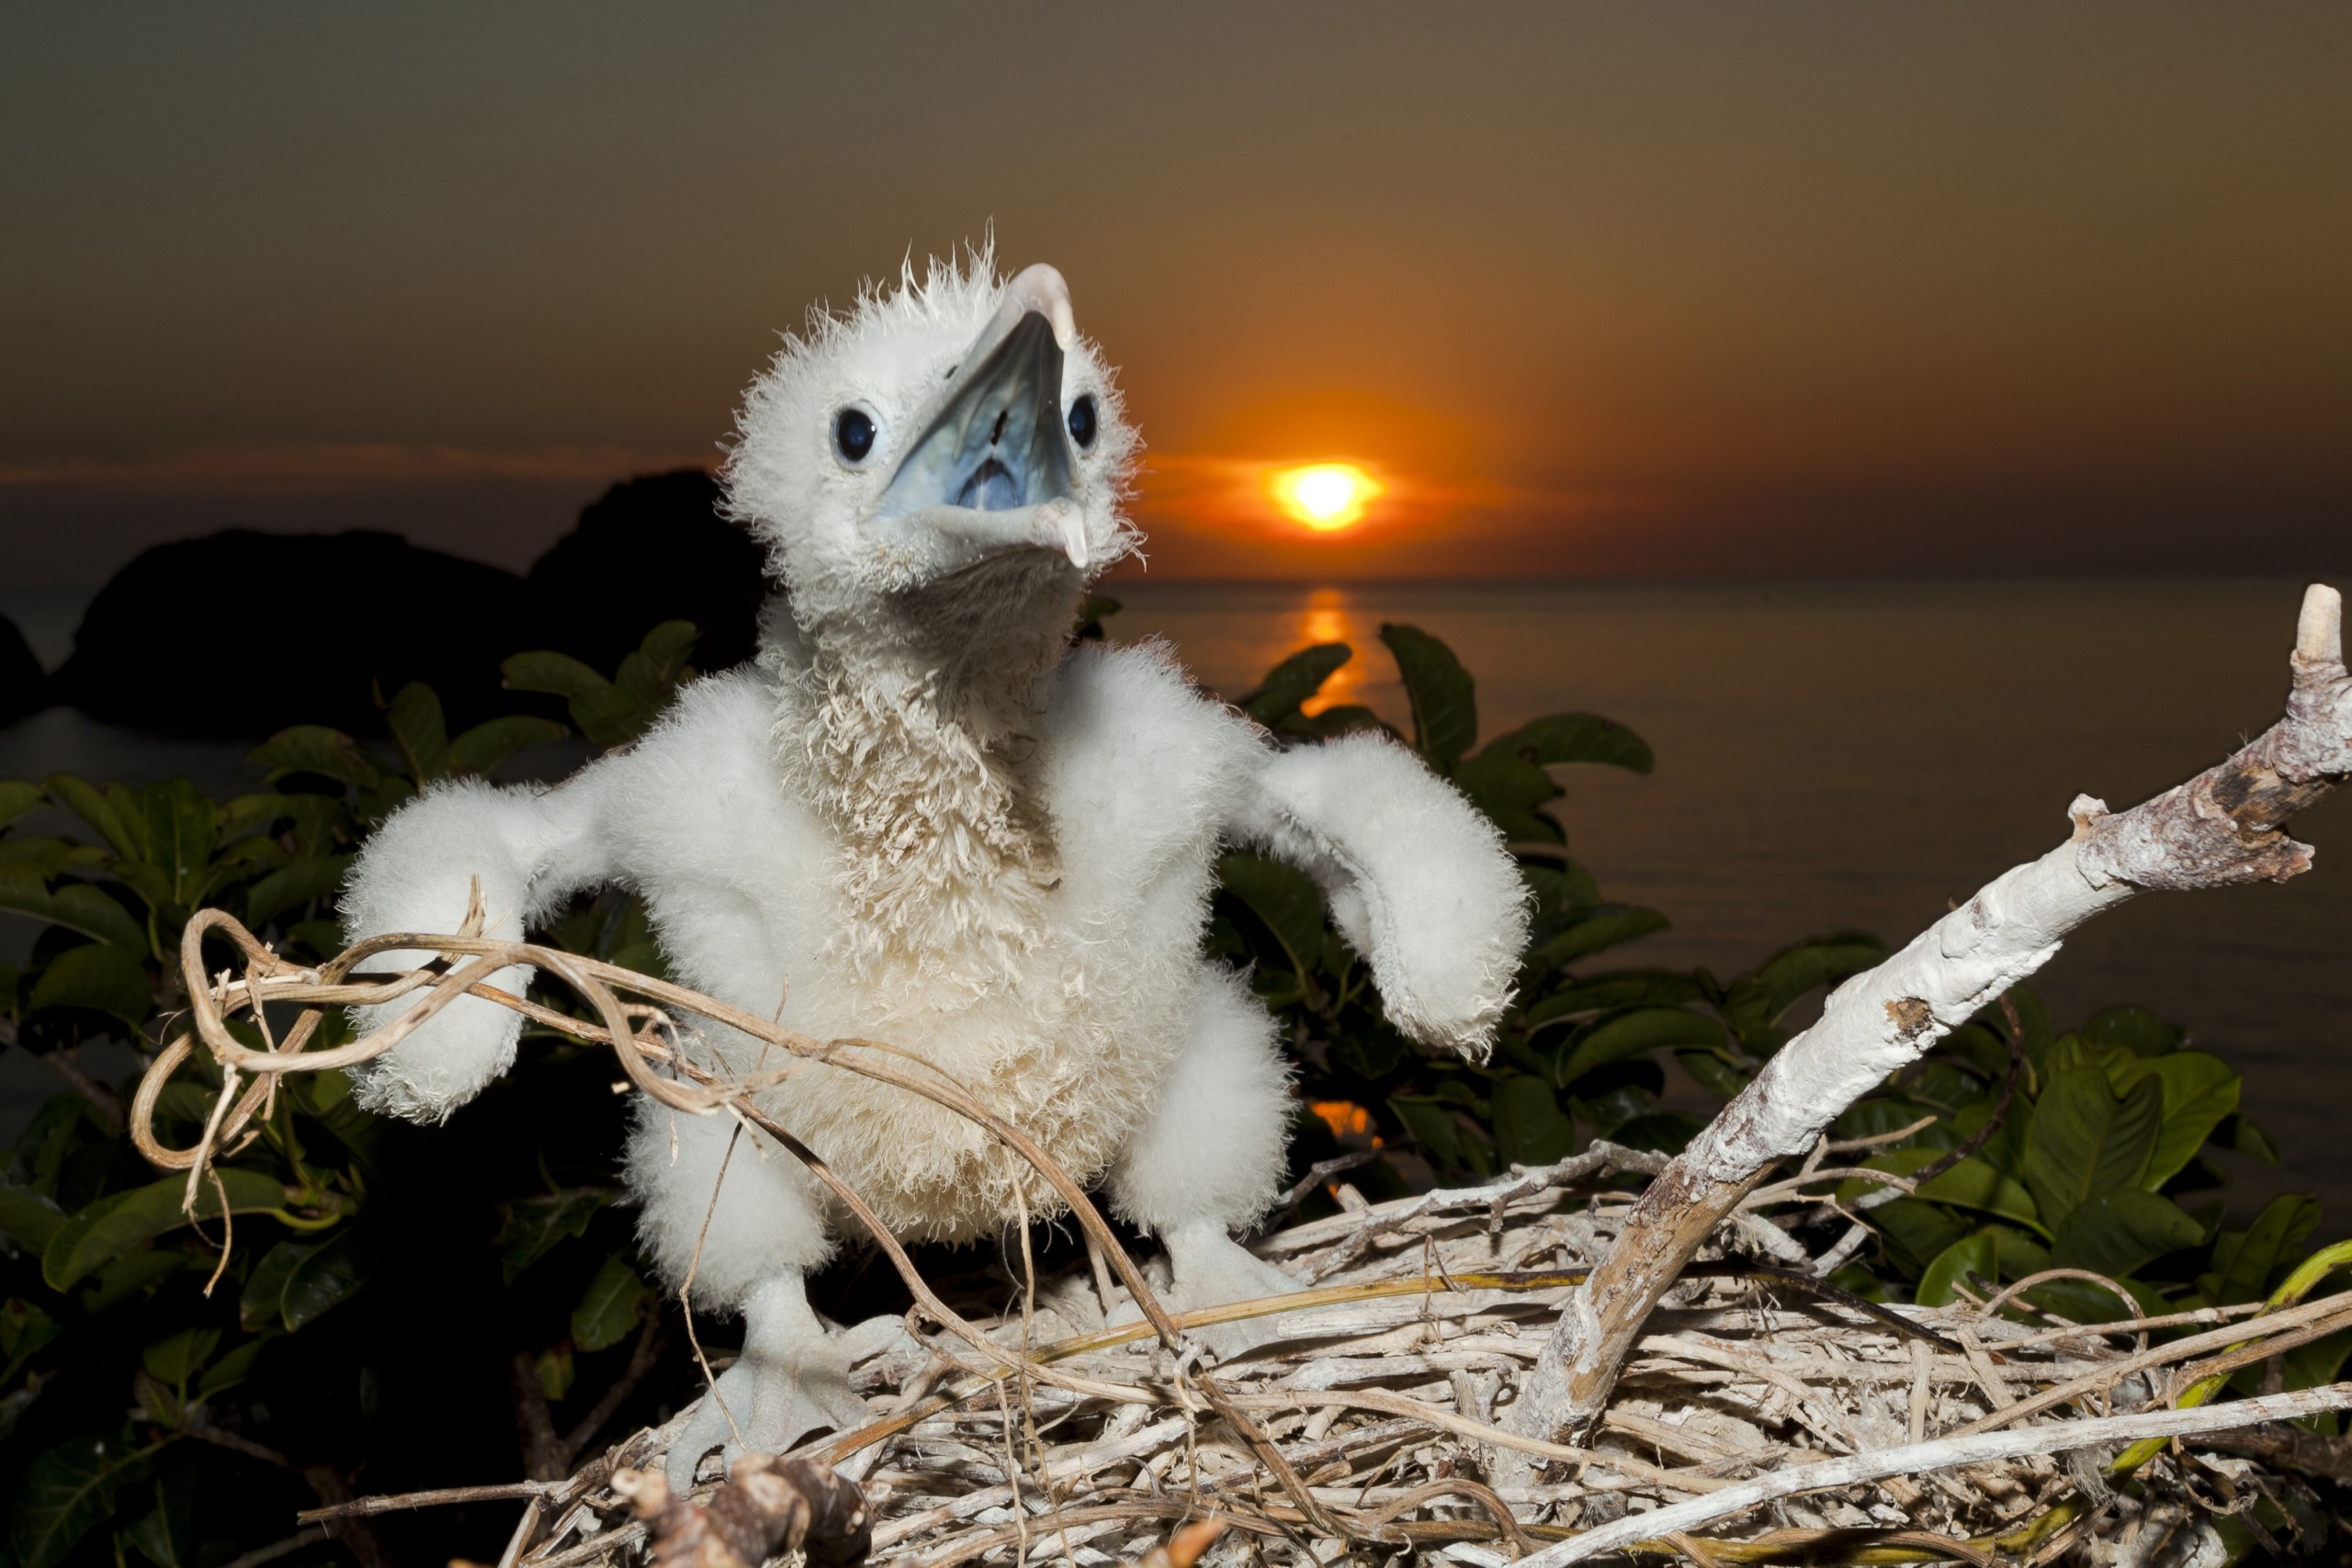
[530, 849]
[1416, 877]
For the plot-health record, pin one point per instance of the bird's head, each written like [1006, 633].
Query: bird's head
[940, 469]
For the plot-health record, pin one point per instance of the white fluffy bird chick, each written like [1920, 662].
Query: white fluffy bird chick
[925, 818]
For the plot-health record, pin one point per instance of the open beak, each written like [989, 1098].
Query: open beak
[992, 471]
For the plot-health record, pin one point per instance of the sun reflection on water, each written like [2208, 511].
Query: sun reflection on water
[1325, 618]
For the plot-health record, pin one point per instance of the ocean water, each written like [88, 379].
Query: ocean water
[1830, 756]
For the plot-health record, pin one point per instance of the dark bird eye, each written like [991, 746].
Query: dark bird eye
[854, 434]
[1081, 422]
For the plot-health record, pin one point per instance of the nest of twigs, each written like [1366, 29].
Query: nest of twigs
[1763, 1418]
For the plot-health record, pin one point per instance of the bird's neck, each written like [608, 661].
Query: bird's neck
[945, 853]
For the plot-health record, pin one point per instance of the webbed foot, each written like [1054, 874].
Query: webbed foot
[1213, 1269]
[791, 1380]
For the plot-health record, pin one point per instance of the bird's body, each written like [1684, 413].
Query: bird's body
[924, 818]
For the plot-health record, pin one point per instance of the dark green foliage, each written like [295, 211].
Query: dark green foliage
[384, 1276]
[614, 712]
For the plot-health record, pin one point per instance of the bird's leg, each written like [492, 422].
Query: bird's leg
[1213, 1269]
[1209, 1157]
[791, 1380]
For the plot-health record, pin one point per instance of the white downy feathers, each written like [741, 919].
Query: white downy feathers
[924, 818]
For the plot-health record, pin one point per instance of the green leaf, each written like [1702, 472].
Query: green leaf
[2119, 1230]
[423, 735]
[180, 1357]
[19, 796]
[2080, 1301]
[1284, 897]
[121, 1221]
[1665, 1132]
[1529, 1125]
[318, 822]
[65, 1494]
[557, 674]
[151, 882]
[101, 809]
[134, 1272]
[1575, 738]
[2240, 1136]
[483, 747]
[1913, 1234]
[2314, 1364]
[1443, 696]
[29, 1218]
[1711, 1072]
[1977, 1255]
[2135, 1029]
[1617, 989]
[30, 857]
[2201, 1092]
[262, 1302]
[665, 650]
[1633, 1034]
[1339, 719]
[610, 1307]
[1431, 1124]
[1611, 925]
[1758, 1001]
[294, 885]
[163, 1535]
[555, 1371]
[321, 937]
[100, 978]
[24, 1330]
[1970, 1183]
[1509, 788]
[534, 1225]
[315, 748]
[1293, 681]
[230, 1369]
[2247, 1260]
[2087, 1141]
[182, 827]
[1562, 887]
[613, 716]
[328, 1276]
[76, 906]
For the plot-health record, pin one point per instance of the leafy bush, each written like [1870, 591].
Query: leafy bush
[407, 1306]
[396, 1294]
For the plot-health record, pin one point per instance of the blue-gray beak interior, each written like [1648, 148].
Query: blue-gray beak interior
[998, 444]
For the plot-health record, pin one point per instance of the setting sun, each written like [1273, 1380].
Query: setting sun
[1327, 497]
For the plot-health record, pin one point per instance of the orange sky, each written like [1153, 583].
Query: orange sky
[1700, 290]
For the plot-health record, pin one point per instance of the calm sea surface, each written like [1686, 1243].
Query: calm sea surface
[1830, 756]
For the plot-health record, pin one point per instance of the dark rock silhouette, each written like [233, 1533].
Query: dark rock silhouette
[240, 634]
[650, 550]
[23, 687]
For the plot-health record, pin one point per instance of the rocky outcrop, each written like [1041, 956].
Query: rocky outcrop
[240, 634]
[650, 550]
[23, 687]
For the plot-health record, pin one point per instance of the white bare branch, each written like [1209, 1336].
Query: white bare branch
[1945, 1454]
[2222, 827]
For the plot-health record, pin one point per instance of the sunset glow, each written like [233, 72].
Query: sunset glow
[1327, 497]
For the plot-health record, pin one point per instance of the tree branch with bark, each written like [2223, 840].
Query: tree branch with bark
[2225, 826]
